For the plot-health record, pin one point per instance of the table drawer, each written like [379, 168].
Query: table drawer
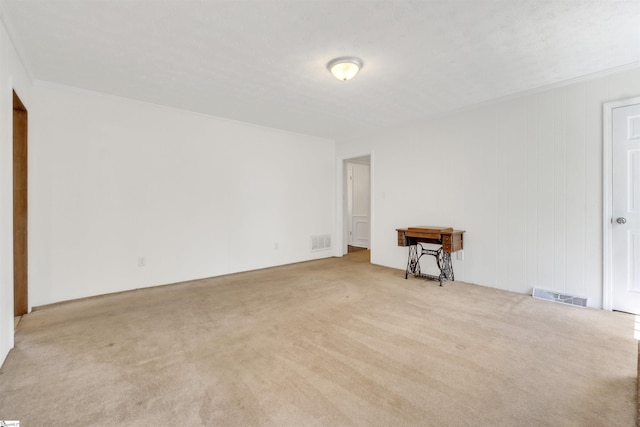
[402, 238]
[452, 242]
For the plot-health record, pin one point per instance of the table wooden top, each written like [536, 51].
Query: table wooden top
[451, 240]
[431, 229]
[428, 230]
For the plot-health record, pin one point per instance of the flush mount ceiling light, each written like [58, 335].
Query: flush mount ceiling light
[345, 68]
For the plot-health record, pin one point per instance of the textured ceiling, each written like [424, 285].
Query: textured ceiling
[264, 61]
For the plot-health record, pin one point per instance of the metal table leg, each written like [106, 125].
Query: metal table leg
[413, 263]
[443, 261]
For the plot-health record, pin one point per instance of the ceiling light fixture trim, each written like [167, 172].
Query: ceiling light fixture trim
[345, 67]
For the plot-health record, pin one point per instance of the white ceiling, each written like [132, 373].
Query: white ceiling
[264, 61]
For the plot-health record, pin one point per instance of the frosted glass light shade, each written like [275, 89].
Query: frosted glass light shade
[345, 68]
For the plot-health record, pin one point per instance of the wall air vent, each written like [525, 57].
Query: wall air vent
[320, 243]
[578, 301]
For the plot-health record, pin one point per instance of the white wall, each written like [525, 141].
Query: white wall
[12, 75]
[115, 179]
[523, 177]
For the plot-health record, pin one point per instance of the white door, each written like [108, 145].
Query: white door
[626, 208]
[358, 201]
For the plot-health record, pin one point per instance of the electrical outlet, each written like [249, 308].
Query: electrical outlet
[460, 255]
[141, 261]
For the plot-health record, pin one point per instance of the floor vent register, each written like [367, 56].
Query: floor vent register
[578, 301]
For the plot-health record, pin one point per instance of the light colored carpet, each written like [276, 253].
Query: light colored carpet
[331, 342]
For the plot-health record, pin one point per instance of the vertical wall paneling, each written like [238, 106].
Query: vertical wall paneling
[559, 190]
[488, 222]
[546, 199]
[595, 95]
[502, 197]
[531, 191]
[527, 188]
[514, 252]
[575, 189]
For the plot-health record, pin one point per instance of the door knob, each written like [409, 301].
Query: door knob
[621, 220]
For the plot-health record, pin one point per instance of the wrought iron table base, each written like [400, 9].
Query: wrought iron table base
[443, 260]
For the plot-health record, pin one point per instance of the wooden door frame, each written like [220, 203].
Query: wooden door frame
[607, 197]
[20, 207]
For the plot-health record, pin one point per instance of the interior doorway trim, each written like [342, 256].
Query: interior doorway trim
[20, 207]
[341, 242]
[607, 198]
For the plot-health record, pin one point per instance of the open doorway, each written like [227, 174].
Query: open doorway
[20, 289]
[357, 203]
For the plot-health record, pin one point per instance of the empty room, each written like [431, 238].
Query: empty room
[319, 212]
